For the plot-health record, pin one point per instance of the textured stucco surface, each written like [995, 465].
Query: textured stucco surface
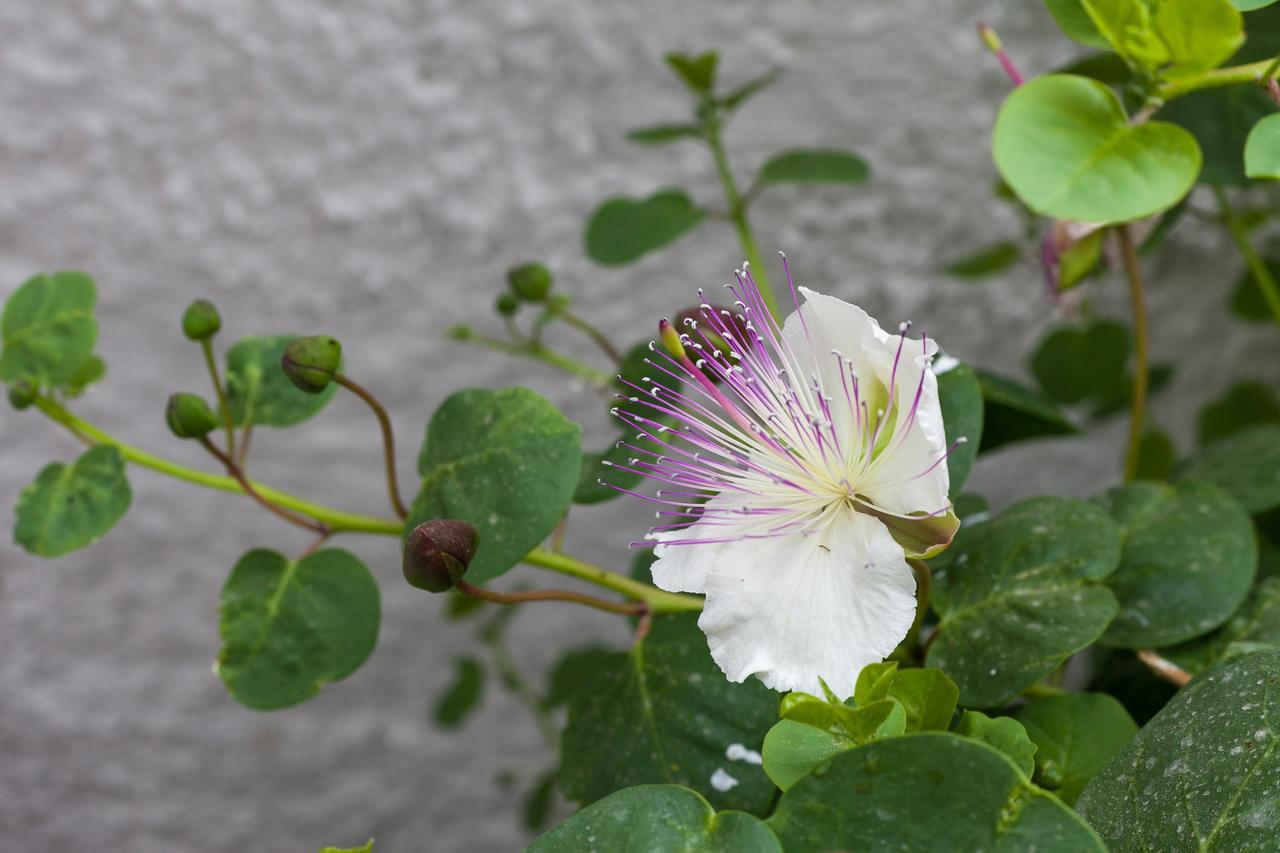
[369, 169]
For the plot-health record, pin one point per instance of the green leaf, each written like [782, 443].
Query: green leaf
[1246, 464]
[1078, 260]
[622, 229]
[289, 627]
[814, 167]
[507, 462]
[1116, 398]
[1156, 455]
[1255, 627]
[367, 847]
[960, 397]
[1019, 595]
[570, 670]
[1012, 413]
[259, 392]
[986, 261]
[70, 506]
[737, 97]
[602, 465]
[48, 329]
[1178, 37]
[663, 712]
[1003, 733]
[661, 134]
[792, 749]
[930, 791]
[697, 72]
[1243, 405]
[536, 808]
[1247, 301]
[875, 718]
[462, 696]
[1064, 144]
[1262, 149]
[1075, 364]
[928, 695]
[1220, 120]
[1075, 734]
[1187, 563]
[1250, 5]
[1202, 774]
[92, 371]
[658, 819]
[1075, 22]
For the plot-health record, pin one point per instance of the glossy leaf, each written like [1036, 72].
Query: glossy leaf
[1075, 734]
[1177, 37]
[1250, 5]
[814, 167]
[1187, 563]
[507, 462]
[960, 396]
[1202, 774]
[658, 819]
[1245, 464]
[664, 712]
[1064, 144]
[1012, 413]
[89, 373]
[792, 749]
[1262, 149]
[987, 261]
[462, 695]
[1255, 627]
[289, 627]
[48, 329]
[1019, 594]
[259, 392]
[1003, 733]
[1075, 22]
[929, 791]
[622, 229]
[71, 506]
[1244, 405]
[1074, 364]
[928, 696]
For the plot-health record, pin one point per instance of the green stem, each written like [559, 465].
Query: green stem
[207, 346]
[335, 520]
[738, 213]
[1138, 404]
[595, 334]
[1253, 72]
[538, 352]
[1257, 266]
[659, 601]
[1041, 690]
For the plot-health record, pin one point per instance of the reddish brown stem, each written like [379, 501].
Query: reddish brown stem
[388, 440]
[627, 608]
[288, 515]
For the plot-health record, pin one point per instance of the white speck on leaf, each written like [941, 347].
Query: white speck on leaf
[722, 781]
[738, 752]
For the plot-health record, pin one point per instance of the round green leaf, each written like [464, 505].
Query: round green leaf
[622, 229]
[48, 329]
[664, 712]
[1246, 465]
[1188, 561]
[1075, 22]
[1255, 627]
[1011, 412]
[925, 792]
[1065, 146]
[1017, 596]
[289, 627]
[1202, 775]
[1075, 734]
[462, 696]
[259, 392]
[960, 396]
[814, 167]
[658, 819]
[1003, 733]
[1262, 149]
[70, 506]
[1075, 364]
[1250, 5]
[1243, 405]
[792, 749]
[986, 261]
[507, 462]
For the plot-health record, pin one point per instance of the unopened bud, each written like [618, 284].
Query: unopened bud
[311, 362]
[22, 394]
[1051, 775]
[201, 320]
[670, 338]
[989, 38]
[189, 416]
[437, 553]
[531, 282]
[507, 304]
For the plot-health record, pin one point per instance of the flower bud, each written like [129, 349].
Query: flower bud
[311, 362]
[22, 394]
[507, 304]
[531, 282]
[437, 553]
[189, 416]
[201, 320]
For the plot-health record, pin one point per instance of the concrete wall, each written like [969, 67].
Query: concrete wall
[370, 169]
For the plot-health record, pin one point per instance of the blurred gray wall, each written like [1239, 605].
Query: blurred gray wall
[369, 169]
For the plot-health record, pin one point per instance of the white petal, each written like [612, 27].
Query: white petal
[684, 568]
[796, 609]
[898, 482]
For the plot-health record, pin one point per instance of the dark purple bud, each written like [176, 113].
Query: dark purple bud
[437, 553]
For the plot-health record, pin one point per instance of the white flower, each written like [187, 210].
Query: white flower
[800, 480]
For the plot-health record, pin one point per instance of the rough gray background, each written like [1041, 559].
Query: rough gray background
[369, 169]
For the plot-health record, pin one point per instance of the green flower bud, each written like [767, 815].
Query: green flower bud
[558, 303]
[201, 320]
[507, 304]
[531, 282]
[437, 553]
[189, 416]
[1051, 776]
[22, 394]
[311, 362]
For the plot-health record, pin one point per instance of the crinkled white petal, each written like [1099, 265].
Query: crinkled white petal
[796, 609]
[684, 568]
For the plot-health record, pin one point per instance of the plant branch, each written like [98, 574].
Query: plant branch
[288, 515]
[1137, 407]
[538, 352]
[1262, 276]
[225, 410]
[924, 588]
[388, 440]
[606, 346]
[659, 601]
[629, 608]
[1253, 72]
[1164, 668]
